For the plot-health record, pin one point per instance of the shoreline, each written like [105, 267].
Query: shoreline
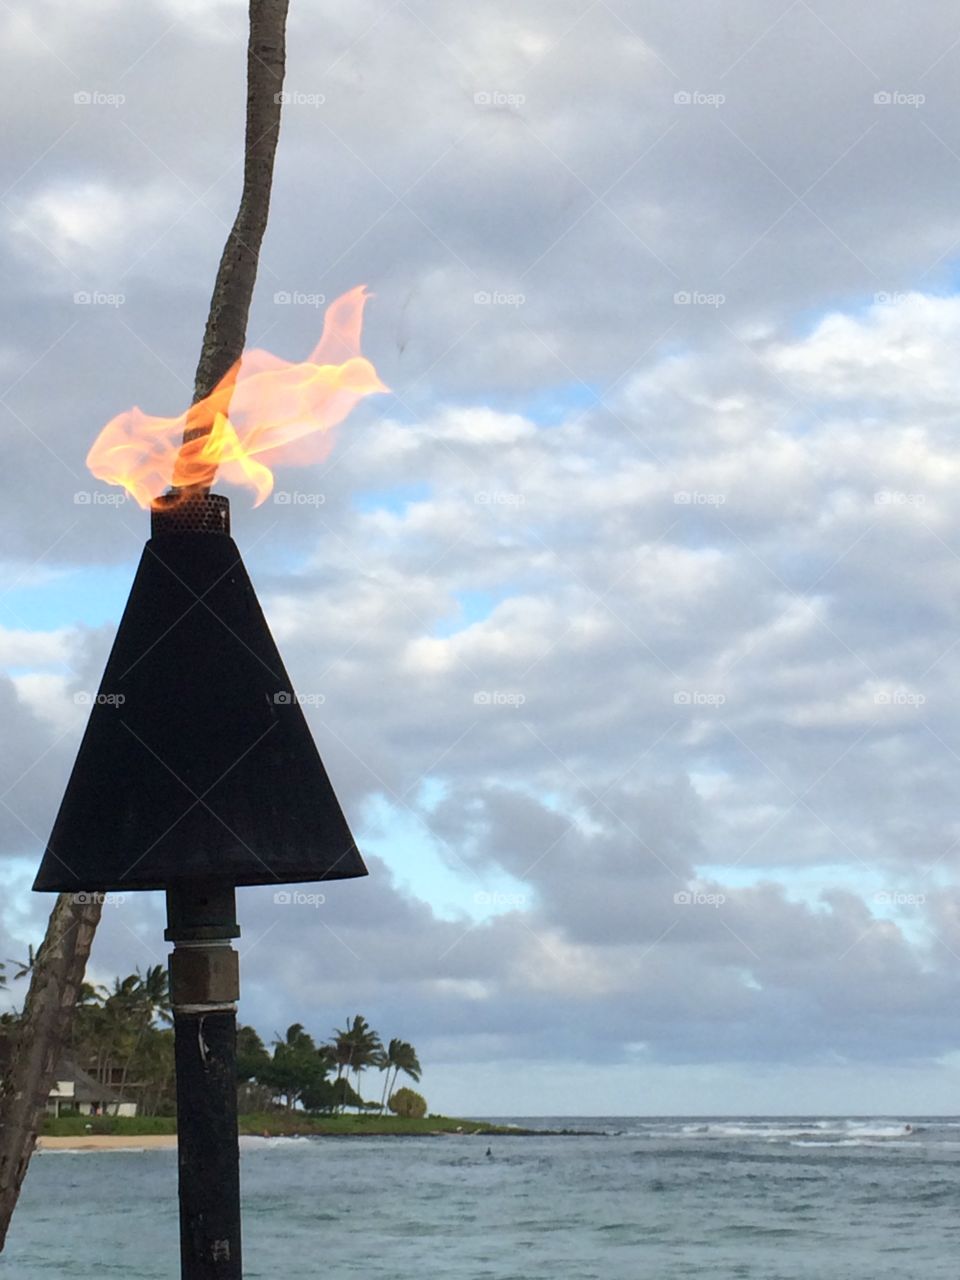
[168, 1141]
[109, 1142]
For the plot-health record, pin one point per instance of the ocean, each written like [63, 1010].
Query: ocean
[770, 1199]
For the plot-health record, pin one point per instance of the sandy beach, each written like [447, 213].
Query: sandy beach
[110, 1142]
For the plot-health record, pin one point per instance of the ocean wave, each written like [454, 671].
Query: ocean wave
[251, 1142]
[810, 1132]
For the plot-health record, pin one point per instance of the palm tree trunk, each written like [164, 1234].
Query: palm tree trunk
[47, 1012]
[128, 1061]
[226, 329]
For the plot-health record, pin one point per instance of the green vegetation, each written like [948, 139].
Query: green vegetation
[76, 1126]
[408, 1105]
[297, 1076]
[278, 1124]
[122, 1036]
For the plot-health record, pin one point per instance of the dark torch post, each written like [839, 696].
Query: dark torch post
[197, 774]
[204, 988]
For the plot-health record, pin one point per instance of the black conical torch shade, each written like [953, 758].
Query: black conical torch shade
[197, 762]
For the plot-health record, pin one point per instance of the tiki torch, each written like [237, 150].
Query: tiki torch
[197, 773]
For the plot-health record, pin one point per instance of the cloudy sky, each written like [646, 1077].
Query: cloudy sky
[631, 616]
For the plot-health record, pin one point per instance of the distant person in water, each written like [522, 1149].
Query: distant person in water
[489, 1153]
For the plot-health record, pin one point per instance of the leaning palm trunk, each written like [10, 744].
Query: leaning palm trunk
[54, 985]
[226, 330]
[56, 979]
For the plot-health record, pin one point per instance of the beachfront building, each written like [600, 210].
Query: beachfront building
[76, 1092]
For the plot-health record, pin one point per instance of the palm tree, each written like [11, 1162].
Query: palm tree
[405, 1060]
[155, 1067]
[23, 966]
[386, 1061]
[148, 998]
[368, 1049]
[342, 1050]
[117, 1008]
[356, 1048]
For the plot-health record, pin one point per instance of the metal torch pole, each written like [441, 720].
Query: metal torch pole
[204, 988]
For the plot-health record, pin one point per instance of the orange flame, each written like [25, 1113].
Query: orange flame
[264, 411]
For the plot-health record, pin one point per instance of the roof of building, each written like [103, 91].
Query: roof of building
[85, 1088]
